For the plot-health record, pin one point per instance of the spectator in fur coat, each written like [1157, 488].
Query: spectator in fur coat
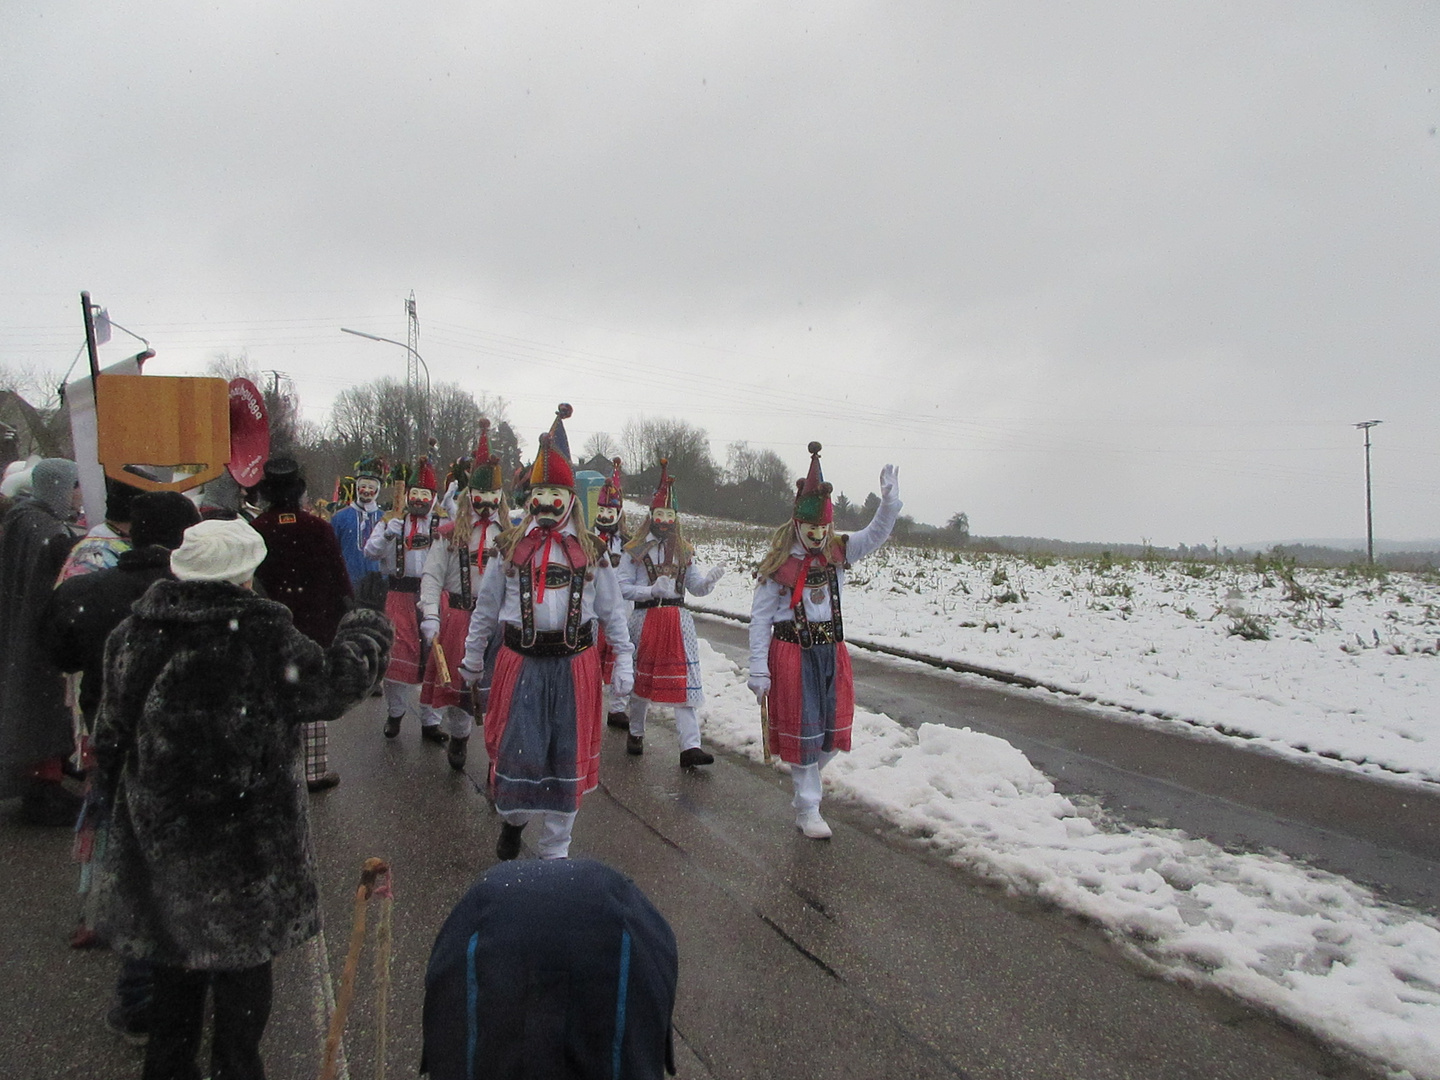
[209, 870]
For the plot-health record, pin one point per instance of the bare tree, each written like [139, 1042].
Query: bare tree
[600, 444]
[646, 440]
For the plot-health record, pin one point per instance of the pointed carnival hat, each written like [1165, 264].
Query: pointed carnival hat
[612, 491]
[664, 497]
[486, 473]
[552, 464]
[812, 495]
[370, 467]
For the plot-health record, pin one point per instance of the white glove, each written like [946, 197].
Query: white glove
[429, 628]
[759, 685]
[889, 483]
[623, 681]
[714, 574]
[467, 676]
[395, 527]
[663, 589]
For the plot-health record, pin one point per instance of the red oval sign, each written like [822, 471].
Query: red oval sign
[249, 433]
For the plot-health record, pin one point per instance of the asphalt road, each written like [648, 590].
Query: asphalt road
[1382, 833]
[857, 957]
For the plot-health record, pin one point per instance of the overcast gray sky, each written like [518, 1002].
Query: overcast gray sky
[1103, 271]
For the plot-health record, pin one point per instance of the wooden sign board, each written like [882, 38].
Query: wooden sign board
[163, 420]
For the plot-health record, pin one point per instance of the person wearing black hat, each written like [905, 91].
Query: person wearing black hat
[559, 969]
[304, 570]
[799, 666]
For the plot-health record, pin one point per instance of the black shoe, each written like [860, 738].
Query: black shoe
[618, 719]
[695, 756]
[635, 745]
[432, 733]
[323, 783]
[392, 725]
[132, 1026]
[455, 753]
[508, 846]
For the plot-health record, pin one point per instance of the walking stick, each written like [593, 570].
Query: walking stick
[765, 724]
[371, 874]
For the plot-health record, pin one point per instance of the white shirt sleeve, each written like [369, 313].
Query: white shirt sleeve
[768, 603]
[869, 539]
[432, 580]
[632, 580]
[485, 619]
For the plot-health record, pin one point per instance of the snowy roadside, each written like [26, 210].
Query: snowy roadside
[1312, 947]
[1347, 667]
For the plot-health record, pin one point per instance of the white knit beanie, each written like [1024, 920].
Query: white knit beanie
[218, 550]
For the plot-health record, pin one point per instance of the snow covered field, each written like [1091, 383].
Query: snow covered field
[1349, 670]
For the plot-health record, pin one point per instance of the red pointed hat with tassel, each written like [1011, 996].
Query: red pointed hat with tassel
[664, 497]
[812, 495]
[424, 475]
[611, 492]
[552, 464]
[486, 473]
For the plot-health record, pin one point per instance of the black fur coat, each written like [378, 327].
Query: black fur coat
[208, 863]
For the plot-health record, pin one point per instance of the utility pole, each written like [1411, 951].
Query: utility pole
[412, 366]
[1366, 425]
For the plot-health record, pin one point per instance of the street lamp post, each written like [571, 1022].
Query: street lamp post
[420, 359]
[1366, 425]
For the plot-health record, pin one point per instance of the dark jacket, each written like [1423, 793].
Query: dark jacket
[84, 609]
[553, 968]
[304, 570]
[34, 722]
[209, 863]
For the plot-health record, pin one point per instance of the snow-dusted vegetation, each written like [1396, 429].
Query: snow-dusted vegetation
[1335, 662]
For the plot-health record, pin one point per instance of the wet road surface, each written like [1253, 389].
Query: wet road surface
[858, 957]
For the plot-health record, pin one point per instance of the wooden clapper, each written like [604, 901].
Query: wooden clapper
[163, 420]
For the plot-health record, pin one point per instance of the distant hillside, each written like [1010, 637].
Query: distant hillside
[1412, 555]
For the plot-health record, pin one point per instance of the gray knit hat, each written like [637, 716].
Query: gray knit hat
[218, 550]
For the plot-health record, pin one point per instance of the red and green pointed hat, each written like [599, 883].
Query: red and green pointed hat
[485, 471]
[552, 464]
[611, 492]
[812, 495]
[424, 474]
[664, 497]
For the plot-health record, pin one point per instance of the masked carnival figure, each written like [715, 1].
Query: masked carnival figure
[453, 571]
[352, 524]
[610, 527]
[401, 545]
[543, 595]
[798, 661]
[656, 572]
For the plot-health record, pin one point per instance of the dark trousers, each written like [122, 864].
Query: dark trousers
[242, 1008]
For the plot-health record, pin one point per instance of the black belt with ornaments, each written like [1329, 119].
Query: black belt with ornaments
[821, 633]
[403, 584]
[459, 603]
[641, 605]
[549, 642]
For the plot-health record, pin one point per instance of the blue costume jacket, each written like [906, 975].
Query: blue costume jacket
[352, 527]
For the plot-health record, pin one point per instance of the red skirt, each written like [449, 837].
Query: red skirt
[454, 626]
[543, 730]
[661, 672]
[405, 653]
[812, 700]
